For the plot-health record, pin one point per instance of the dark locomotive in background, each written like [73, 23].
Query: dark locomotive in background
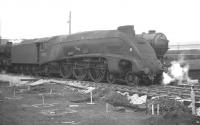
[5, 54]
[111, 55]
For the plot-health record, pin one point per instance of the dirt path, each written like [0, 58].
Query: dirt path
[24, 112]
[59, 108]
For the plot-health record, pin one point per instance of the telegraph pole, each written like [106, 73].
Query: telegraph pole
[0, 31]
[69, 21]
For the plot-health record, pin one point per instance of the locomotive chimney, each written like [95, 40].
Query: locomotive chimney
[128, 29]
[152, 31]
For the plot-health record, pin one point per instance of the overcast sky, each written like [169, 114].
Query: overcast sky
[179, 20]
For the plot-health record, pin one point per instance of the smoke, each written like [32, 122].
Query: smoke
[167, 79]
[177, 72]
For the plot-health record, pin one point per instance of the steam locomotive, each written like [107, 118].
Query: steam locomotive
[111, 55]
[5, 56]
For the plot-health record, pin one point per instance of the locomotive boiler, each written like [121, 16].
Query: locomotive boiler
[158, 41]
[111, 55]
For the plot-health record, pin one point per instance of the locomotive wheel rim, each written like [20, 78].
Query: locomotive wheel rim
[33, 70]
[27, 70]
[97, 74]
[131, 79]
[46, 70]
[66, 70]
[80, 72]
[21, 69]
[111, 78]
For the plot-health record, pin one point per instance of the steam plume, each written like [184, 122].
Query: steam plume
[178, 72]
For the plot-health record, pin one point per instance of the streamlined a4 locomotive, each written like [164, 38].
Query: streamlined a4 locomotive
[111, 55]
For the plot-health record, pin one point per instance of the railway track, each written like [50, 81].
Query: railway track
[182, 91]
